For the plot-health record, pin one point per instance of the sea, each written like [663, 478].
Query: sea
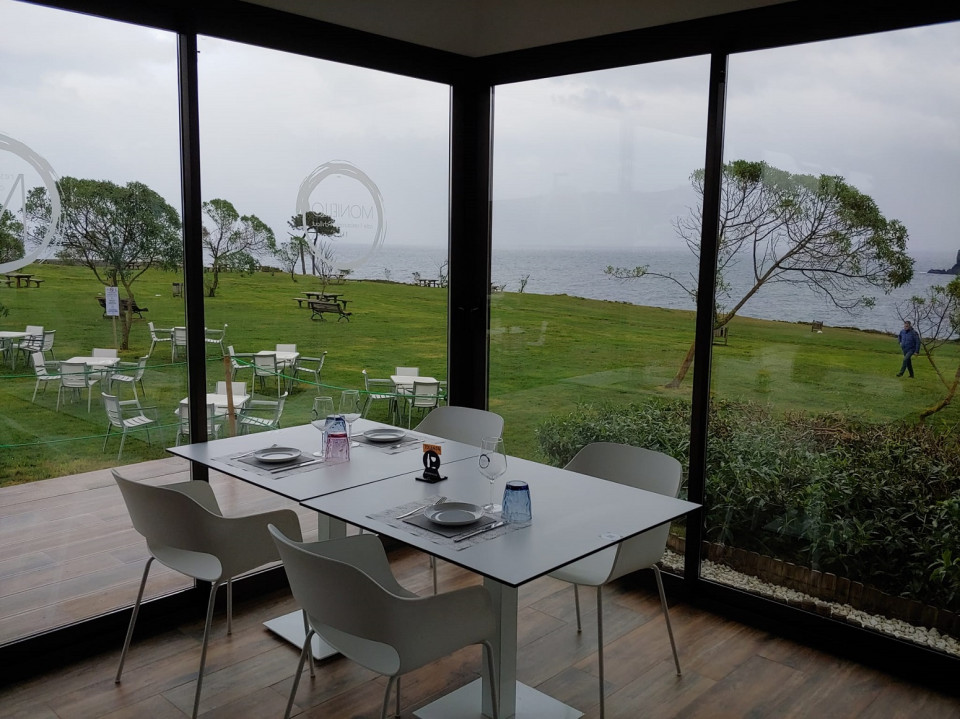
[580, 273]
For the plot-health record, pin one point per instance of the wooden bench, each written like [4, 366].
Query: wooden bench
[319, 309]
[124, 304]
[35, 280]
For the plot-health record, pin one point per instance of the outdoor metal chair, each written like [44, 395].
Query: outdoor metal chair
[260, 414]
[309, 365]
[178, 342]
[235, 364]
[76, 377]
[424, 397]
[265, 366]
[42, 370]
[48, 337]
[127, 416]
[155, 338]
[138, 368]
[214, 421]
[380, 390]
[215, 337]
[30, 343]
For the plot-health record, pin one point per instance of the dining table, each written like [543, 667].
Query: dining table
[284, 358]
[311, 477]
[573, 515]
[219, 401]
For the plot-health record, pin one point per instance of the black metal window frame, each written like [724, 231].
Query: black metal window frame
[473, 83]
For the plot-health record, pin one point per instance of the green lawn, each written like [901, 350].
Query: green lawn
[548, 354]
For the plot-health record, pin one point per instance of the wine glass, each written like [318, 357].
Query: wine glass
[350, 406]
[322, 408]
[493, 463]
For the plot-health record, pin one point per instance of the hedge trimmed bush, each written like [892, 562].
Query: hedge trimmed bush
[878, 504]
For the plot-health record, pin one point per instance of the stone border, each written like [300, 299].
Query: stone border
[827, 594]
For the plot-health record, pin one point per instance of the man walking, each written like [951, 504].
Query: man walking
[910, 344]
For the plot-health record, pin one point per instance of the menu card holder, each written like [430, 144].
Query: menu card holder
[431, 464]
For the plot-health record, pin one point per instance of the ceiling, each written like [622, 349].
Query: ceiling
[476, 28]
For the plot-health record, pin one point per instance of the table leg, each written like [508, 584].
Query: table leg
[290, 626]
[516, 699]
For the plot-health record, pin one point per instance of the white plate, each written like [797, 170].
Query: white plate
[384, 434]
[276, 454]
[453, 513]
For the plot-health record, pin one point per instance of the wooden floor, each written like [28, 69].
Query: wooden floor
[730, 670]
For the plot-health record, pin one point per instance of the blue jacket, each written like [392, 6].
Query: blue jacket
[909, 340]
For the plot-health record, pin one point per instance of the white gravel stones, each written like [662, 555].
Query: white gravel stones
[894, 627]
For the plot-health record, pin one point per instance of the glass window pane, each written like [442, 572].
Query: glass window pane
[832, 479]
[593, 307]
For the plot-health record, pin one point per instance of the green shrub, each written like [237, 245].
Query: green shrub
[879, 504]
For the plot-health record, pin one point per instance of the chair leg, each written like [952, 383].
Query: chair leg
[133, 619]
[104, 447]
[576, 600]
[123, 438]
[206, 641]
[306, 631]
[666, 616]
[296, 677]
[488, 653]
[230, 606]
[386, 696]
[600, 642]
[433, 566]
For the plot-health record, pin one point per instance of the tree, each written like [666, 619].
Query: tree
[936, 318]
[289, 254]
[816, 232]
[11, 237]
[310, 228]
[118, 231]
[231, 240]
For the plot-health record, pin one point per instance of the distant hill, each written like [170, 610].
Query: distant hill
[955, 270]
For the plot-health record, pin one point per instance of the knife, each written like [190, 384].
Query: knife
[495, 525]
[302, 464]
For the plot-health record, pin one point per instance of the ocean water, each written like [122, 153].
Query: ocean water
[580, 273]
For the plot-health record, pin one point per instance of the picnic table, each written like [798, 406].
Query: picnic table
[327, 297]
[22, 279]
[423, 282]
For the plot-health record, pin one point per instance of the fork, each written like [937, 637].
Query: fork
[441, 500]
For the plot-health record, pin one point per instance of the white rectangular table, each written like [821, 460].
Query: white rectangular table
[284, 359]
[573, 515]
[368, 463]
[5, 337]
[404, 382]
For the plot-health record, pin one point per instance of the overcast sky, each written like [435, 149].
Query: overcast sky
[602, 158]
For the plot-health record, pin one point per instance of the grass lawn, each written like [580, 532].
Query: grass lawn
[548, 353]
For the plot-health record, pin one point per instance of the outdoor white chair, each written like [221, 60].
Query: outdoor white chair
[265, 366]
[260, 414]
[155, 338]
[235, 364]
[42, 370]
[636, 467]
[215, 337]
[127, 416]
[424, 397]
[214, 422]
[462, 424]
[309, 365]
[102, 352]
[30, 343]
[138, 368]
[408, 371]
[380, 390]
[75, 376]
[187, 532]
[286, 347]
[353, 602]
[239, 390]
[48, 337]
[178, 341]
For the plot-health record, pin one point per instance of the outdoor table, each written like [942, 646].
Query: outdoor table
[284, 359]
[404, 382]
[574, 515]
[18, 277]
[328, 297]
[219, 401]
[95, 361]
[5, 338]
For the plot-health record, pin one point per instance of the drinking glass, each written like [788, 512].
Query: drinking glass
[322, 409]
[493, 463]
[350, 406]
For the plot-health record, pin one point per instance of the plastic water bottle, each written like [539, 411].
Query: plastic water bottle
[338, 443]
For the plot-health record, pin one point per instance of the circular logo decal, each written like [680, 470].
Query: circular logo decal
[352, 200]
[21, 170]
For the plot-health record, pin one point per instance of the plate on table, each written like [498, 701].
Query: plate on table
[453, 513]
[384, 434]
[276, 455]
